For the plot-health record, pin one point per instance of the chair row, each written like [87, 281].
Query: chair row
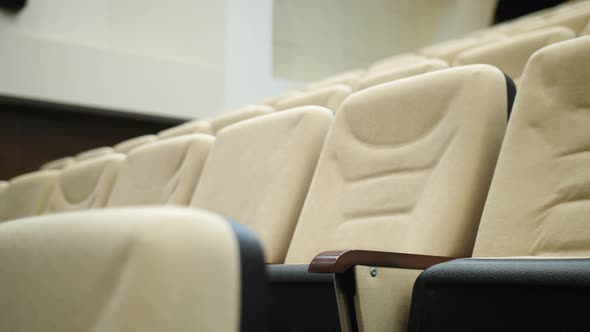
[395, 182]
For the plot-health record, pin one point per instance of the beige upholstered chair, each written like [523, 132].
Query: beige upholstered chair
[221, 121]
[127, 145]
[93, 153]
[392, 73]
[329, 97]
[512, 54]
[395, 61]
[259, 171]
[148, 269]
[27, 194]
[85, 184]
[575, 19]
[348, 77]
[191, 127]
[448, 50]
[537, 205]
[163, 172]
[405, 168]
[58, 164]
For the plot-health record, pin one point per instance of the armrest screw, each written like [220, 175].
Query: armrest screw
[373, 271]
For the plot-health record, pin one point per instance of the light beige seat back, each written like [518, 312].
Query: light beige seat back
[259, 171]
[406, 166]
[538, 201]
[127, 145]
[150, 269]
[93, 153]
[512, 54]
[86, 184]
[164, 172]
[329, 97]
[27, 194]
[447, 51]
[586, 30]
[574, 19]
[402, 71]
[396, 61]
[219, 122]
[348, 77]
[58, 164]
[191, 127]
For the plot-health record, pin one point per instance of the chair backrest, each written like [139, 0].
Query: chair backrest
[259, 171]
[448, 50]
[58, 164]
[512, 54]
[538, 200]
[93, 153]
[149, 269]
[221, 121]
[396, 61]
[586, 30]
[187, 128]
[406, 166]
[393, 73]
[329, 97]
[127, 145]
[86, 184]
[574, 19]
[27, 194]
[163, 172]
[348, 77]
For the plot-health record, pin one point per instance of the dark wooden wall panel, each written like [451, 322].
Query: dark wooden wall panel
[34, 132]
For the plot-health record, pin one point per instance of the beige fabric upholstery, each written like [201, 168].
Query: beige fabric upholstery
[164, 172]
[396, 61]
[93, 153]
[538, 201]
[149, 269]
[191, 127]
[383, 301]
[406, 166]
[259, 171]
[574, 19]
[447, 51]
[402, 71]
[3, 185]
[85, 184]
[346, 78]
[512, 54]
[127, 145]
[586, 30]
[329, 97]
[272, 101]
[58, 164]
[244, 113]
[27, 194]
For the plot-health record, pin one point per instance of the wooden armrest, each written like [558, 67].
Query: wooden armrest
[341, 261]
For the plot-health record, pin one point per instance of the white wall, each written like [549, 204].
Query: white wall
[249, 54]
[164, 57]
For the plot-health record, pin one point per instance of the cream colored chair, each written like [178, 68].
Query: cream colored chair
[115, 270]
[93, 153]
[219, 122]
[405, 169]
[524, 273]
[58, 164]
[164, 172]
[416, 67]
[259, 171]
[127, 145]
[512, 54]
[574, 19]
[448, 50]
[191, 127]
[586, 30]
[348, 77]
[86, 184]
[27, 194]
[329, 97]
[395, 61]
